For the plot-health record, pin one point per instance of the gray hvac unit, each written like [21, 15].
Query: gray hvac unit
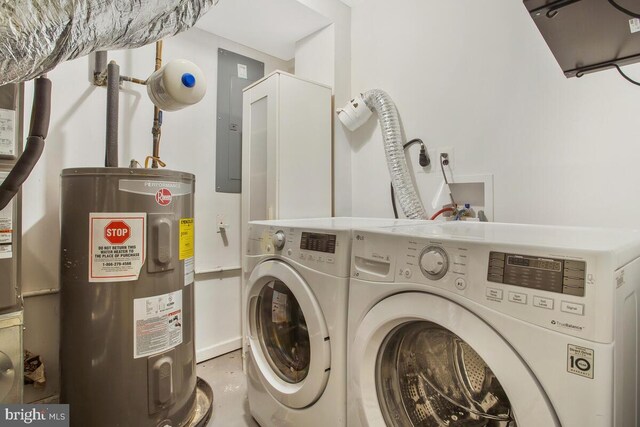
[10, 231]
[11, 318]
[127, 298]
[11, 381]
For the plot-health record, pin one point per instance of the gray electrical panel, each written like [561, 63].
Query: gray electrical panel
[235, 72]
[11, 107]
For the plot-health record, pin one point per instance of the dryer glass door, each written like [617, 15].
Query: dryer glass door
[430, 377]
[289, 341]
[283, 332]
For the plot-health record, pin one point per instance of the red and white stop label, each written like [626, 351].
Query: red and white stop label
[117, 246]
[117, 232]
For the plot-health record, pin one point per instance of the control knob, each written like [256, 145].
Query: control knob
[434, 262]
[278, 239]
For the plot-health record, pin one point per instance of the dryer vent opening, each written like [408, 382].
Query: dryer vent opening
[356, 113]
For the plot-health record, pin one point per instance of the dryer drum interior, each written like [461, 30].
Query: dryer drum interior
[427, 376]
[283, 332]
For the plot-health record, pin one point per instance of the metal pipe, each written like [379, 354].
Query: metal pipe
[133, 80]
[40, 292]
[218, 270]
[113, 100]
[100, 68]
[156, 130]
[158, 55]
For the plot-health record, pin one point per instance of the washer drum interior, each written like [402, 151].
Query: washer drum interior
[430, 377]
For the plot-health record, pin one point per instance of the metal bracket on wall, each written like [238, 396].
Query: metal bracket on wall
[579, 72]
[551, 10]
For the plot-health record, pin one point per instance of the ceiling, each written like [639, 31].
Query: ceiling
[272, 27]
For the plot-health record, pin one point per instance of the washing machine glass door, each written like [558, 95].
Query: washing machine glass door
[422, 360]
[428, 376]
[288, 336]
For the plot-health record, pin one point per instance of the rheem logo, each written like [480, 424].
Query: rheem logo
[164, 196]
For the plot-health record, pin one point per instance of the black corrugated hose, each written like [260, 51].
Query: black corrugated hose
[40, 116]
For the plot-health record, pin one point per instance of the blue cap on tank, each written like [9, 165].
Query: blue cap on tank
[188, 80]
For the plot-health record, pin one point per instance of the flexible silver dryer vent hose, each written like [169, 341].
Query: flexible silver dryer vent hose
[355, 114]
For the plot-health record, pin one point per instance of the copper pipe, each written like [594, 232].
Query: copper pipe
[156, 129]
[158, 54]
[133, 80]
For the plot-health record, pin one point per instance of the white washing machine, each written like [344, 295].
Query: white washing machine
[481, 324]
[297, 295]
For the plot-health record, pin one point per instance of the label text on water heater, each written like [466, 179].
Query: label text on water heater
[117, 246]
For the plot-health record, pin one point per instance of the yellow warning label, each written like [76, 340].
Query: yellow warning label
[186, 238]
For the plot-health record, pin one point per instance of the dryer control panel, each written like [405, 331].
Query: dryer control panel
[321, 250]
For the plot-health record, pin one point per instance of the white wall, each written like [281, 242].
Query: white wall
[315, 56]
[76, 138]
[325, 57]
[478, 77]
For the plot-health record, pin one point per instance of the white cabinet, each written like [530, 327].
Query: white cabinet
[286, 149]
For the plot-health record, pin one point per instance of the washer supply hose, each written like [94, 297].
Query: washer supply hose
[379, 101]
[38, 130]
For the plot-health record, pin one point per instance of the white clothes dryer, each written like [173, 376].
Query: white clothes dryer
[297, 295]
[483, 324]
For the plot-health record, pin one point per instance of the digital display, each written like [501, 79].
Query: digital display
[318, 242]
[537, 273]
[542, 264]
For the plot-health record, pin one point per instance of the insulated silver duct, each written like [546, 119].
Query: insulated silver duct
[356, 113]
[36, 35]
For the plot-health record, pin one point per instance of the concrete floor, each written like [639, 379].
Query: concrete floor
[229, 384]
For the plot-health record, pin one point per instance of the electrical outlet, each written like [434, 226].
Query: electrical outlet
[450, 156]
[434, 155]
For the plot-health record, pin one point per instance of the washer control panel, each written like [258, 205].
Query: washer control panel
[541, 273]
[434, 262]
[554, 289]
